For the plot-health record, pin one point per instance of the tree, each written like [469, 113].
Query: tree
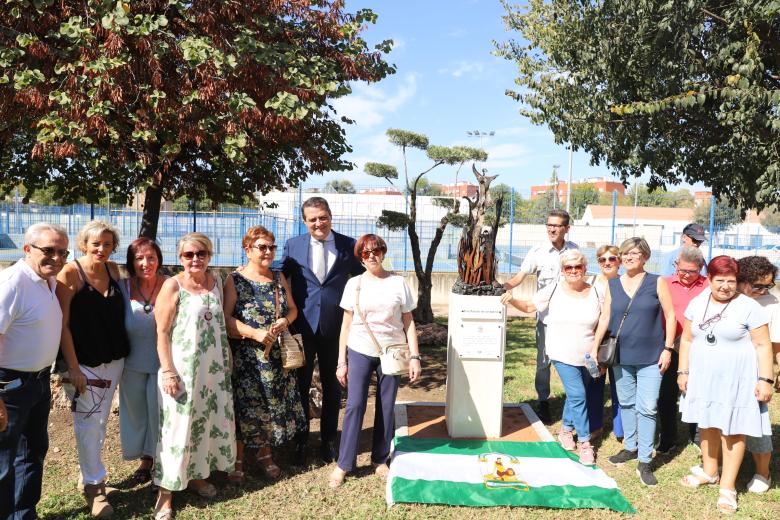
[200, 98]
[770, 219]
[725, 215]
[425, 188]
[504, 192]
[582, 195]
[396, 221]
[656, 198]
[684, 91]
[339, 186]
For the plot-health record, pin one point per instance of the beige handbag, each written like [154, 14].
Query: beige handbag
[393, 358]
[291, 345]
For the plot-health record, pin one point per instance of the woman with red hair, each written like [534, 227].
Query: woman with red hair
[725, 374]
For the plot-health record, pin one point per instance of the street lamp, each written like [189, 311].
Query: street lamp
[481, 136]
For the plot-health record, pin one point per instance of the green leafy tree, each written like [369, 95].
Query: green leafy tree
[682, 91]
[770, 218]
[425, 188]
[339, 186]
[504, 192]
[656, 198]
[439, 155]
[201, 99]
[581, 196]
[725, 215]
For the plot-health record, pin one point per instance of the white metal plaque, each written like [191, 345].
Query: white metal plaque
[480, 340]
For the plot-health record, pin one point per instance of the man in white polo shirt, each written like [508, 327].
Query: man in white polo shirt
[30, 326]
[544, 260]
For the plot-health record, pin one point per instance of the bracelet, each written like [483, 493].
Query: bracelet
[173, 376]
[682, 372]
[669, 349]
[417, 357]
[767, 380]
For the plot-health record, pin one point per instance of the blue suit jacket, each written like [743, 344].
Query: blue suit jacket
[318, 303]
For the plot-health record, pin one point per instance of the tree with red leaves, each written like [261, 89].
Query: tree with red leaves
[215, 98]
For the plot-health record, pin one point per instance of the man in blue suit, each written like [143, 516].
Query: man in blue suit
[318, 266]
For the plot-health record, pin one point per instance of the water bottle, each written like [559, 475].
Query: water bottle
[592, 366]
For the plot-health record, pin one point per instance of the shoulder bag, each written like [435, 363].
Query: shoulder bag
[608, 354]
[291, 345]
[394, 358]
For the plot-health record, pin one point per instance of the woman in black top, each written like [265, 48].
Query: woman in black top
[94, 344]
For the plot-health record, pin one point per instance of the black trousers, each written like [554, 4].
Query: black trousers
[667, 405]
[326, 351]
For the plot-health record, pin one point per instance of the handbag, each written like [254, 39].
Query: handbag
[393, 358]
[608, 354]
[290, 345]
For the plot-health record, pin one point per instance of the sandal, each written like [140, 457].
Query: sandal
[237, 475]
[162, 513]
[143, 474]
[204, 489]
[270, 468]
[727, 501]
[336, 478]
[698, 477]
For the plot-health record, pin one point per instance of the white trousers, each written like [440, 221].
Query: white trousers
[91, 418]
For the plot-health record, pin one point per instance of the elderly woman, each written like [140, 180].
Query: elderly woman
[644, 350]
[608, 258]
[138, 410]
[756, 277]
[258, 308]
[573, 310]
[377, 303]
[197, 434]
[94, 345]
[725, 375]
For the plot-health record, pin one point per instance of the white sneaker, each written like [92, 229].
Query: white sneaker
[759, 484]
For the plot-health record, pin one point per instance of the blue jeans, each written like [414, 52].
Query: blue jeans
[542, 378]
[23, 444]
[575, 409]
[617, 422]
[637, 388]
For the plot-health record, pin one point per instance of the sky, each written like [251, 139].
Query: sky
[448, 82]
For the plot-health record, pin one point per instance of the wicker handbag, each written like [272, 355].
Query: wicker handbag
[394, 358]
[291, 345]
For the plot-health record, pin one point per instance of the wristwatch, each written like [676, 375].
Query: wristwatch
[767, 380]
[669, 349]
[417, 357]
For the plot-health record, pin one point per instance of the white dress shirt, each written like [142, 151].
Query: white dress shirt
[330, 252]
[30, 319]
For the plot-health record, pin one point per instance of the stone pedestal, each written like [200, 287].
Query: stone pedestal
[475, 366]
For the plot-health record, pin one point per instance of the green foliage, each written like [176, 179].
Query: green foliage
[393, 220]
[682, 91]
[504, 191]
[770, 218]
[581, 196]
[407, 139]
[339, 186]
[384, 171]
[725, 214]
[425, 188]
[206, 99]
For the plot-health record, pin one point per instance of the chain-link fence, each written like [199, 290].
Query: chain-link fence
[601, 218]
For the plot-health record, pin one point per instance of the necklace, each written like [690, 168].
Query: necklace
[208, 315]
[147, 301]
[706, 323]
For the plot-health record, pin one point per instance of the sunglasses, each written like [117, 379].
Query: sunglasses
[573, 268]
[265, 248]
[189, 255]
[51, 252]
[366, 253]
[762, 287]
[605, 259]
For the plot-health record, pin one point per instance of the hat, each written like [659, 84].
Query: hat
[695, 231]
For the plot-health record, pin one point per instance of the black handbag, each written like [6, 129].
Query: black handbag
[609, 353]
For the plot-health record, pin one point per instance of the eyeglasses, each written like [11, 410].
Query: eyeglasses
[632, 254]
[760, 287]
[366, 253]
[51, 252]
[555, 226]
[573, 268]
[189, 255]
[605, 259]
[265, 248]
[687, 272]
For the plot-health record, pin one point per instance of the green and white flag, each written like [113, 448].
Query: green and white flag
[497, 473]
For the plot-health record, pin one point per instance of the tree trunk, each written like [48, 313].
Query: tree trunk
[423, 313]
[151, 215]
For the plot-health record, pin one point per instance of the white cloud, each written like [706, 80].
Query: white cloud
[463, 68]
[370, 103]
[508, 155]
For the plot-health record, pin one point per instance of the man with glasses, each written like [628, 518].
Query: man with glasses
[544, 260]
[755, 279]
[692, 236]
[684, 285]
[318, 265]
[30, 326]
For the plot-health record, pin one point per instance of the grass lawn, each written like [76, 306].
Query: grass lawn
[305, 494]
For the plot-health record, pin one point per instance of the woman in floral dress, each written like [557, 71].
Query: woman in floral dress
[268, 407]
[196, 398]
